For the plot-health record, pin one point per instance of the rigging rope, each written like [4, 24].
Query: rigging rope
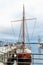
[28, 36]
[12, 28]
[26, 29]
[27, 32]
[33, 29]
[20, 33]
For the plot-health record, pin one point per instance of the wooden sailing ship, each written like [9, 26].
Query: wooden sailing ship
[23, 53]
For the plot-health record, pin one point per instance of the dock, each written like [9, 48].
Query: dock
[6, 52]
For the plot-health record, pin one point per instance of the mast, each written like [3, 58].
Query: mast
[23, 26]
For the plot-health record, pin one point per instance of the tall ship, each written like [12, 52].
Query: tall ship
[23, 52]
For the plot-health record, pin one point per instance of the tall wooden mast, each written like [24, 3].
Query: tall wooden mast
[23, 26]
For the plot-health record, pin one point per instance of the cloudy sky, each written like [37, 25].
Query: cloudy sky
[12, 10]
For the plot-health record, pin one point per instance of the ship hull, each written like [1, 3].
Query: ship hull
[24, 59]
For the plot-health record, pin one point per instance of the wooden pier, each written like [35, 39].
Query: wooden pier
[6, 52]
